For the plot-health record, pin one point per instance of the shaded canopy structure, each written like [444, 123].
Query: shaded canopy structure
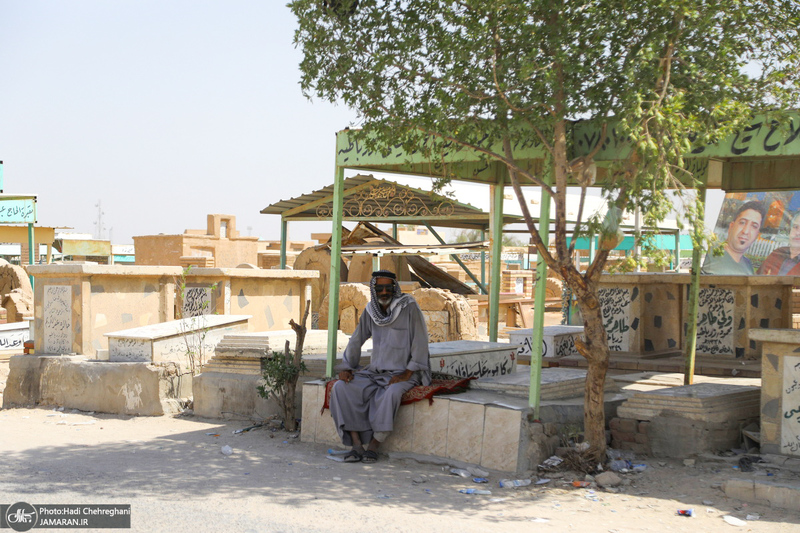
[368, 199]
[765, 156]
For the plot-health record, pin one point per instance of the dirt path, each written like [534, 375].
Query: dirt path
[172, 472]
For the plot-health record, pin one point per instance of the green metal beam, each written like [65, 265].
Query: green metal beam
[458, 260]
[537, 334]
[497, 250]
[336, 253]
[352, 153]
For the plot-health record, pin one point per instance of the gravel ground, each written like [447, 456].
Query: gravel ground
[172, 472]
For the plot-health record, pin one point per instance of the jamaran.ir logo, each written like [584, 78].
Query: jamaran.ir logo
[21, 516]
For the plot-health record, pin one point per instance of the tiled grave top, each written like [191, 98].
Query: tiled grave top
[14, 326]
[701, 391]
[783, 336]
[178, 327]
[556, 383]
[550, 330]
[439, 349]
[549, 375]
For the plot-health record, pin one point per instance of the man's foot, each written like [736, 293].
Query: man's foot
[370, 456]
[353, 456]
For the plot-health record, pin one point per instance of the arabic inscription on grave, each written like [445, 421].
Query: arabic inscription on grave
[57, 319]
[790, 421]
[715, 321]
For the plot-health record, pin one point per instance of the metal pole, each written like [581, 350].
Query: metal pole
[637, 239]
[537, 335]
[496, 237]
[694, 291]
[336, 253]
[30, 248]
[284, 235]
[458, 260]
[483, 264]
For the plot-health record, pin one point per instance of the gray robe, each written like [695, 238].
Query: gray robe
[368, 404]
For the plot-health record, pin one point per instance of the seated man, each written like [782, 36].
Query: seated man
[365, 400]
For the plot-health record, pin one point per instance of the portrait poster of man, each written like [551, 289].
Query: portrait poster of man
[759, 235]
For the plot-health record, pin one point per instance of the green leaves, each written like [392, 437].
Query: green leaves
[276, 372]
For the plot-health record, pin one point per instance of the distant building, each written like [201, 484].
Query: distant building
[81, 247]
[219, 245]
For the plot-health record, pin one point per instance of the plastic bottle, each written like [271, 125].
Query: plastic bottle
[474, 491]
[619, 465]
[512, 483]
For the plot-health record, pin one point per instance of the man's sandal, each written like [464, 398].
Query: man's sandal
[353, 456]
[370, 456]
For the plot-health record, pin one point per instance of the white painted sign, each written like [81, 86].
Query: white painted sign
[57, 319]
[715, 321]
[790, 420]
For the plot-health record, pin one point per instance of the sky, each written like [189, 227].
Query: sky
[161, 112]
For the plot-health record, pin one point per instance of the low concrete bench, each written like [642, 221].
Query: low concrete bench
[557, 341]
[466, 427]
[170, 341]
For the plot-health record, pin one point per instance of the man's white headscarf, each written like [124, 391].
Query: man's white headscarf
[399, 300]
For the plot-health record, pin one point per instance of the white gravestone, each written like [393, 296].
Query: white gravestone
[616, 304]
[715, 322]
[57, 319]
[790, 420]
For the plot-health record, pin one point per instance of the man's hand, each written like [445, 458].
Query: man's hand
[346, 376]
[405, 376]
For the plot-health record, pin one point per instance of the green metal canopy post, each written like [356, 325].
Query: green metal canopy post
[483, 264]
[336, 252]
[694, 291]
[284, 235]
[496, 231]
[534, 393]
[30, 249]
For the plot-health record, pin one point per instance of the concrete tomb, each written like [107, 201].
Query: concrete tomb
[473, 358]
[557, 341]
[227, 387]
[780, 391]
[488, 425]
[686, 420]
[170, 341]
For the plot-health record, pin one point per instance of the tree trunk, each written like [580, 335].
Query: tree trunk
[291, 384]
[595, 350]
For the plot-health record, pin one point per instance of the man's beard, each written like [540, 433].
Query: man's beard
[385, 300]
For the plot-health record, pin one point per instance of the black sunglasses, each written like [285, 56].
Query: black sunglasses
[384, 288]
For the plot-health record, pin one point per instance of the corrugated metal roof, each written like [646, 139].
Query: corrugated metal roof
[376, 200]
